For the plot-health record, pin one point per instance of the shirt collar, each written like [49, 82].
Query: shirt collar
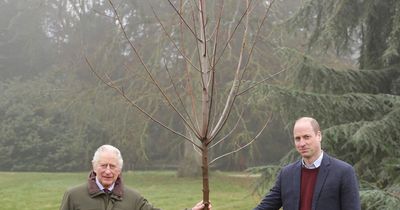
[316, 164]
[101, 187]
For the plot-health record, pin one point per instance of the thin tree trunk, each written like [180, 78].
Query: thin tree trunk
[206, 188]
[205, 99]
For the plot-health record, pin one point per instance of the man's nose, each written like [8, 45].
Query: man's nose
[302, 142]
[108, 168]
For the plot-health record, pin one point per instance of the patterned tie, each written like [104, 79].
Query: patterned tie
[107, 191]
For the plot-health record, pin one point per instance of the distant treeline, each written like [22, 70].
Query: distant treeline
[49, 126]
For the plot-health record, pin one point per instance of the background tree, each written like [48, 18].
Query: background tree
[24, 50]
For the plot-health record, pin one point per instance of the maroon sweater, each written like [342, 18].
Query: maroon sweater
[308, 180]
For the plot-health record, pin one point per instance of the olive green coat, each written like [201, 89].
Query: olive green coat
[90, 197]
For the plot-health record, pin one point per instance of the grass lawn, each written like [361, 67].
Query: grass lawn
[44, 191]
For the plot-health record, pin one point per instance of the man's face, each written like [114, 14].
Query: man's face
[107, 168]
[307, 141]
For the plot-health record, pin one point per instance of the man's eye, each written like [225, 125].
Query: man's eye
[104, 166]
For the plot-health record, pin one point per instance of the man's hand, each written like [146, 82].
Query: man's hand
[200, 206]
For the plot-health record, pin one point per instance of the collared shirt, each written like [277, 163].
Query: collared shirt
[314, 165]
[101, 187]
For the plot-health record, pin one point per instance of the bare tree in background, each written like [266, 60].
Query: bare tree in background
[193, 96]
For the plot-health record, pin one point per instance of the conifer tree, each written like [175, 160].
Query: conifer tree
[359, 109]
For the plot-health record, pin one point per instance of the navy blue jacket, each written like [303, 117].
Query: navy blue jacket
[336, 188]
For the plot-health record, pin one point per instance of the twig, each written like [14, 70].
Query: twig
[120, 91]
[184, 21]
[179, 97]
[170, 39]
[235, 85]
[244, 146]
[263, 80]
[230, 132]
[233, 32]
[147, 69]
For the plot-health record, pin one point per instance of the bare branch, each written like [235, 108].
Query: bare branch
[235, 86]
[263, 80]
[203, 26]
[147, 69]
[130, 101]
[230, 132]
[188, 77]
[196, 149]
[184, 21]
[180, 98]
[170, 39]
[244, 146]
[237, 82]
[255, 38]
[212, 91]
[234, 31]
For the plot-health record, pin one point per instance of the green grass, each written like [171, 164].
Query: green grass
[44, 191]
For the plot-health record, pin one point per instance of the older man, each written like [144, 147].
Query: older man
[104, 189]
[317, 181]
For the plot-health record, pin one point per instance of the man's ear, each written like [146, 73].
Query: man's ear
[319, 136]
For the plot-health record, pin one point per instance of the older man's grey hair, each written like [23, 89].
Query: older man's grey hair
[107, 148]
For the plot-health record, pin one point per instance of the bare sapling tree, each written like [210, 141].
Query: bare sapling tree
[197, 96]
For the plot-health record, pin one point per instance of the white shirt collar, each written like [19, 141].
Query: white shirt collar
[316, 164]
[101, 187]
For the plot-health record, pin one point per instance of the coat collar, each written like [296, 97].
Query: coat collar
[94, 190]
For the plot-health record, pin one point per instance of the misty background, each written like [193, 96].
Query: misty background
[337, 61]
[55, 112]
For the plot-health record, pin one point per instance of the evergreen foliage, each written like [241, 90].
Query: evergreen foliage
[343, 24]
[358, 109]
[378, 199]
[361, 126]
[312, 76]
